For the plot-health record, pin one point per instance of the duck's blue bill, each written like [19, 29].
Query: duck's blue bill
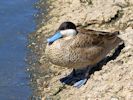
[55, 37]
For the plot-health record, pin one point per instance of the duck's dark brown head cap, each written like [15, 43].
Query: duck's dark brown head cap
[67, 25]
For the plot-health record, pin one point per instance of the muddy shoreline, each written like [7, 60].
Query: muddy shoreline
[114, 81]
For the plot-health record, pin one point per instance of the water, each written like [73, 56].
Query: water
[16, 22]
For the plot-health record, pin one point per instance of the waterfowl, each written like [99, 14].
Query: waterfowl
[78, 48]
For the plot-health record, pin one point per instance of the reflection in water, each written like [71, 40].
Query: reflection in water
[16, 21]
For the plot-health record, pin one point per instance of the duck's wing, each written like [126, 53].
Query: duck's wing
[87, 38]
[89, 31]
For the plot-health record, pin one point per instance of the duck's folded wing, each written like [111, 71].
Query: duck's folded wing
[89, 31]
[87, 38]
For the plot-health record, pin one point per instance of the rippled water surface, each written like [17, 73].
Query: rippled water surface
[16, 22]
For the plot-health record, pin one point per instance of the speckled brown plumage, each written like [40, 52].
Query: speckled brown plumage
[88, 47]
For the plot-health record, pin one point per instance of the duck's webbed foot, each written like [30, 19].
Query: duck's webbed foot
[71, 79]
[77, 78]
[84, 80]
[80, 83]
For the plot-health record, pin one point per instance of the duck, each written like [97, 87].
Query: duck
[78, 48]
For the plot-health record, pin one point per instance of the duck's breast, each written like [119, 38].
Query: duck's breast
[58, 52]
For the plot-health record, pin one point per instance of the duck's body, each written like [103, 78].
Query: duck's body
[78, 48]
[88, 47]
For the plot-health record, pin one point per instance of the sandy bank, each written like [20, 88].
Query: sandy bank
[115, 80]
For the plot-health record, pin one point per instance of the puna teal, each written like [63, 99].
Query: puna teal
[78, 48]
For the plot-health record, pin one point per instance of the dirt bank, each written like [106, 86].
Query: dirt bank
[115, 80]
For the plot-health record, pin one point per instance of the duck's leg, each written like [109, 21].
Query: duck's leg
[70, 78]
[83, 81]
[74, 72]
